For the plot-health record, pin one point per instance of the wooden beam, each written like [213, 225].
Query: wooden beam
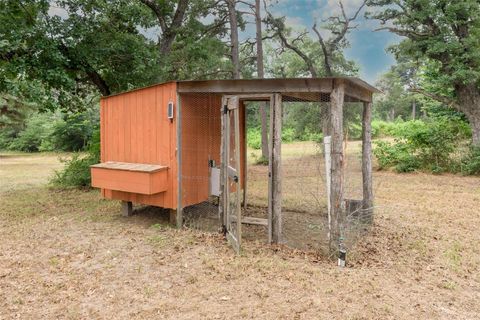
[367, 160]
[241, 86]
[337, 204]
[253, 221]
[355, 91]
[275, 173]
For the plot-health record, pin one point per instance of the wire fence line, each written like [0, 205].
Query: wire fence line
[304, 187]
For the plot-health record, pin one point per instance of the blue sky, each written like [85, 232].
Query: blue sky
[367, 48]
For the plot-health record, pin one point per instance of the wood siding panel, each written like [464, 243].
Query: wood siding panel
[135, 129]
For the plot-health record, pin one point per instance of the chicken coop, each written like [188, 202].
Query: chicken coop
[182, 146]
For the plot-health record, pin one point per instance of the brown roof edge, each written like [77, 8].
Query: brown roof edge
[357, 81]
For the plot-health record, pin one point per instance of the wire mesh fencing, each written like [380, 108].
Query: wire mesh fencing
[303, 166]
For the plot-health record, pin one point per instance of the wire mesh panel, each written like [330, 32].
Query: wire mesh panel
[200, 153]
[303, 166]
[304, 196]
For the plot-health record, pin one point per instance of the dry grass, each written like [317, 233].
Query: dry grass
[69, 254]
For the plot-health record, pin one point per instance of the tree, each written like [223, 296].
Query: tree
[338, 26]
[234, 45]
[333, 61]
[445, 36]
[170, 20]
[396, 99]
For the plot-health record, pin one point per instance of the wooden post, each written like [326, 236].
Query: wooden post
[367, 160]
[172, 213]
[223, 159]
[178, 116]
[127, 208]
[337, 204]
[275, 172]
[327, 142]
[245, 147]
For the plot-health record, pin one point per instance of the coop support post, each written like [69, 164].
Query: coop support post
[245, 170]
[275, 170]
[367, 161]
[337, 205]
[172, 216]
[327, 142]
[179, 211]
[222, 199]
[127, 208]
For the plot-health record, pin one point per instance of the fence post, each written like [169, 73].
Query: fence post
[337, 172]
[367, 160]
[275, 174]
[327, 141]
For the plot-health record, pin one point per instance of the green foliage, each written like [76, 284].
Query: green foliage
[51, 131]
[254, 138]
[419, 145]
[470, 163]
[34, 137]
[76, 171]
[382, 129]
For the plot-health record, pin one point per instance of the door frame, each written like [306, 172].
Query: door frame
[274, 160]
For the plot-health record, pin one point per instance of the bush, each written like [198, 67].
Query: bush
[382, 129]
[429, 146]
[37, 129]
[51, 132]
[254, 136]
[76, 172]
[470, 163]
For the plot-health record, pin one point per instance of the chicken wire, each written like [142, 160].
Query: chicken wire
[304, 192]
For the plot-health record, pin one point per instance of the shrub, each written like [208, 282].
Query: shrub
[37, 129]
[423, 145]
[254, 138]
[470, 163]
[76, 172]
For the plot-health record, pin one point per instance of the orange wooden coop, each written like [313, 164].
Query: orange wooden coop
[177, 144]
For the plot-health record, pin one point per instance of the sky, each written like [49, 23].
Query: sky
[367, 47]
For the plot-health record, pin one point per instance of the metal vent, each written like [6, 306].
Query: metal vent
[170, 110]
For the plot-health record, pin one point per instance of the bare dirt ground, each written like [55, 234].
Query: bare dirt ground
[70, 255]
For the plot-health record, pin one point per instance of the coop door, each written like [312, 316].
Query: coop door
[232, 175]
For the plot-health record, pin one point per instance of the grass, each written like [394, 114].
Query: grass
[69, 253]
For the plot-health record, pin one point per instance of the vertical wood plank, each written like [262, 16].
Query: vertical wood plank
[238, 207]
[270, 165]
[367, 160]
[275, 202]
[223, 165]
[337, 175]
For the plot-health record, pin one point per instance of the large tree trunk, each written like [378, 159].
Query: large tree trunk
[232, 13]
[469, 103]
[260, 73]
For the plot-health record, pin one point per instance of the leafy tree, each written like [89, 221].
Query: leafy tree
[445, 36]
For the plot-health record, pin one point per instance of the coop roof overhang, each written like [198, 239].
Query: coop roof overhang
[294, 89]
